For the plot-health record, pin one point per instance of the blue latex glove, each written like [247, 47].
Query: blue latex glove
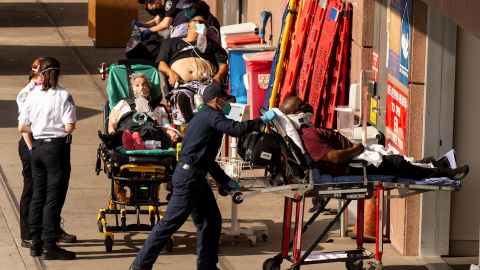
[30, 150]
[136, 23]
[147, 32]
[269, 116]
[232, 183]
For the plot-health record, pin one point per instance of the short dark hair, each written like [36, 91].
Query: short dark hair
[197, 15]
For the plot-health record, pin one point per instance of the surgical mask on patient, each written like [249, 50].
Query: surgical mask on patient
[202, 38]
[141, 105]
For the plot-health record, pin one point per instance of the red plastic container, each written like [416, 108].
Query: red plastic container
[242, 39]
[258, 69]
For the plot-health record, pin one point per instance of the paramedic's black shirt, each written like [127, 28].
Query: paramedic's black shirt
[174, 49]
[170, 10]
[204, 138]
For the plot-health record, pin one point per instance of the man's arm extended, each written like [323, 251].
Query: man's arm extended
[165, 23]
[153, 22]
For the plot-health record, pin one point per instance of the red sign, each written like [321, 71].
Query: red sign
[396, 120]
[375, 65]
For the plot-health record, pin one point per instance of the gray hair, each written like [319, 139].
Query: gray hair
[137, 75]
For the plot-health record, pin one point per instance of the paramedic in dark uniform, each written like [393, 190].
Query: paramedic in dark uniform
[163, 10]
[191, 192]
[49, 114]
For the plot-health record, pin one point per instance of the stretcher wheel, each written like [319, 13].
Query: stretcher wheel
[108, 244]
[169, 245]
[252, 243]
[123, 225]
[100, 225]
[236, 199]
[269, 265]
[354, 265]
[264, 237]
[223, 190]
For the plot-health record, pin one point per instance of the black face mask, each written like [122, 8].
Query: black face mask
[308, 109]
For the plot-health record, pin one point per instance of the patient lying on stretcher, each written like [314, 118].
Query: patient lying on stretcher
[334, 151]
[133, 120]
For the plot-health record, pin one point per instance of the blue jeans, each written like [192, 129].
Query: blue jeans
[191, 195]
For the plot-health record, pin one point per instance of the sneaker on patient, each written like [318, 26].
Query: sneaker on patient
[127, 140]
[138, 143]
[460, 172]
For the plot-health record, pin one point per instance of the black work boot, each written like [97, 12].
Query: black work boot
[53, 252]
[64, 237]
[36, 246]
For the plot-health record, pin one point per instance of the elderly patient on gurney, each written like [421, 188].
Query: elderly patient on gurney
[135, 115]
[191, 63]
[332, 151]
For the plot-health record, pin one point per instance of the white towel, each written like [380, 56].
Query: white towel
[289, 129]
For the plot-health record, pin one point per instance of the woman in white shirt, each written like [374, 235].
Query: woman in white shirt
[49, 114]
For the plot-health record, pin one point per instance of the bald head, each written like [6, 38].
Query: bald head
[293, 105]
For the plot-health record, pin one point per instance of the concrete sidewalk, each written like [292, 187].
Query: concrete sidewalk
[33, 29]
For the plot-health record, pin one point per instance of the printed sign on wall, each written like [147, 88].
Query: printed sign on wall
[396, 119]
[399, 39]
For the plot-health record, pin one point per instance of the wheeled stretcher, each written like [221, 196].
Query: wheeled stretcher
[301, 177]
[136, 176]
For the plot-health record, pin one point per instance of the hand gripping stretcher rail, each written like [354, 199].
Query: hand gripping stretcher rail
[300, 177]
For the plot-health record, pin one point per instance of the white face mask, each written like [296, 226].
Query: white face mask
[301, 119]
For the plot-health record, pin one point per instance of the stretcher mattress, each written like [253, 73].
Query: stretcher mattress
[436, 181]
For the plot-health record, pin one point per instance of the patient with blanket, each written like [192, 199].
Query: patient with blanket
[132, 120]
[332, 151]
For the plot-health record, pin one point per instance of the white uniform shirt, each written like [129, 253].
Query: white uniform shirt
[158, 114]
[47, 112]
[22, 96]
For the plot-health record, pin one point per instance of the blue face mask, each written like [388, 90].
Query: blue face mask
[190, 12]
[200, 28]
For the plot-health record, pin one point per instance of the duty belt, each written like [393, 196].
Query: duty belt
[66, 139]
[191, 169]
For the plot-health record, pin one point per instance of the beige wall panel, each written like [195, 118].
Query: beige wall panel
[276, 7]
[465, 220]
[397, 223]
[361, 59]
[363, 16]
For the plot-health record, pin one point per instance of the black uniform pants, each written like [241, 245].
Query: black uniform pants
[191, 196]
[27, 188]
[51, 175]
[398, 166]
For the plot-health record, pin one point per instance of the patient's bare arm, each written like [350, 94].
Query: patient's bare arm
[339, 156]
[220, 76]
[173, 76]
[113, 120]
